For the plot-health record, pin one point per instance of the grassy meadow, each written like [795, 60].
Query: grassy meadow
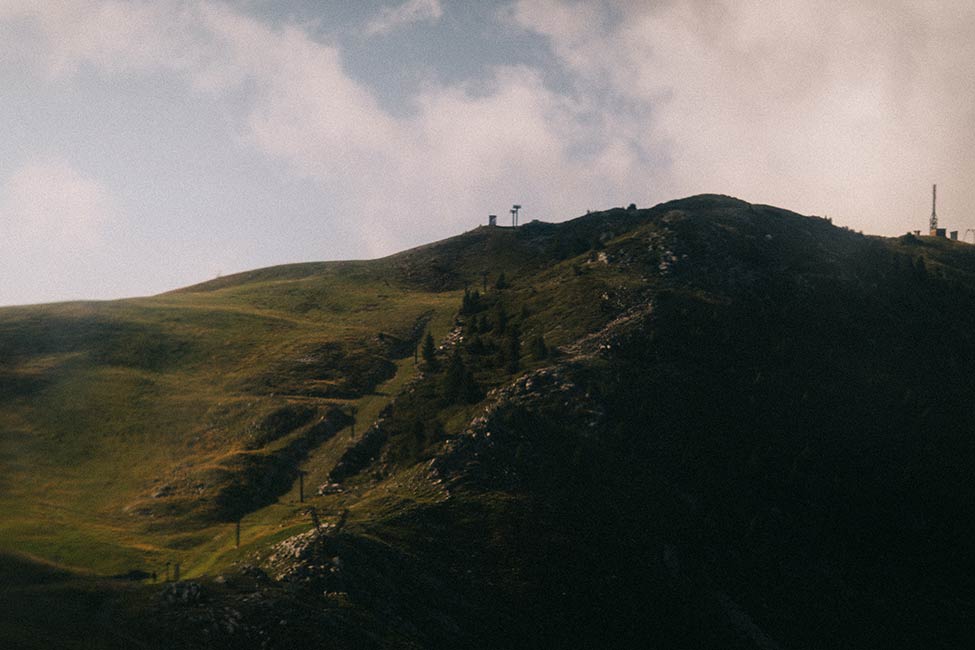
[117, 416]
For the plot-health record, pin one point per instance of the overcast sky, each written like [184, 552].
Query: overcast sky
[149, 145]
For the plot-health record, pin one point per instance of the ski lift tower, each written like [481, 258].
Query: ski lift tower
[514, 215]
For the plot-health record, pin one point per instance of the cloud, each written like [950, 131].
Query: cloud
[410, 12]
[49, 205]
[465, 150]
[852, 112]
[55, 235]
[112, 35]
[850, 109]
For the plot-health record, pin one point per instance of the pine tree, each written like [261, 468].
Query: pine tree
[513, 351]
[471, 302]
[430, 353]
[453, 379]
[459, 385]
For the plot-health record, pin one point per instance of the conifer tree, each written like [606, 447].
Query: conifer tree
[513, 351]
[459, 385]
[471, 302]
[430, 353]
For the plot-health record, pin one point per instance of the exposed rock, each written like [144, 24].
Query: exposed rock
[490, 434]
[330, 488]
[182, 593]
[301, 559]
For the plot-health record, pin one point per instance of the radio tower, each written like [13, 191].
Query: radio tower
[934, 213]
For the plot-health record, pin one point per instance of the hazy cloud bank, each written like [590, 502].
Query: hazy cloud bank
[49, 203]
[847, 108]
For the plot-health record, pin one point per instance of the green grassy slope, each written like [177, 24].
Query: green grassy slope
[106, 404]
[126, 426]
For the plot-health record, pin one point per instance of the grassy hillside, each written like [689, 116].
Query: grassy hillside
[125, 424]
[706, 424]
[134, 432]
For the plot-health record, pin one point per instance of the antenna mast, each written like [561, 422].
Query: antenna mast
[934, 213]
[514, 215]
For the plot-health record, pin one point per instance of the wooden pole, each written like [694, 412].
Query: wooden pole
[313, 513]
[301, 486]
[238, 533]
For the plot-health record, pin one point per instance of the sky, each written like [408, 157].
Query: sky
[151, 145]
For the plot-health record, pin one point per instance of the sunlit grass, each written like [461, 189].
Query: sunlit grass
[104, 401]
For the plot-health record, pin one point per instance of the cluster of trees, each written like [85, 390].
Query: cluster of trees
[471, 303]
[495, 339]
[492, 340]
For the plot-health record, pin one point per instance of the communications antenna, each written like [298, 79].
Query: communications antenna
[934, 213]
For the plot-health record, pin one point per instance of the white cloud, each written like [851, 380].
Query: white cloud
[578, 32]
[113, 35]
[49, 205]
[464, 152]
[848, 108]
[412, 11]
